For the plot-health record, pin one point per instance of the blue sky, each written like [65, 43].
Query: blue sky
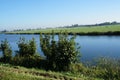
[22, 14]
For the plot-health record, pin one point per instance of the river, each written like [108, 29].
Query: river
[92, 47]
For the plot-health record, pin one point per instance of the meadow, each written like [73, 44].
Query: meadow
[79, 30]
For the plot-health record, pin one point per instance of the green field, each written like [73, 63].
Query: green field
[9, 72]
[103, 29]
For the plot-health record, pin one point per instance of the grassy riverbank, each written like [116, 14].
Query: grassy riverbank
[99, 30]
[106, 70]
[9, 72]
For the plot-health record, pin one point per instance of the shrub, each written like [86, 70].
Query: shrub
[26, 55]
[30, 61]
[26, 48]
[59, 54]
[6, 50]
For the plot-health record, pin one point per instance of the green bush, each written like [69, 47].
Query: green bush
[59, 54]
[6, 50]
[30, 61]
[26, 48]
[26, 55]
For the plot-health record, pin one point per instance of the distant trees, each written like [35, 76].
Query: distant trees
[92, 25]
[59, 54]
[4, 31]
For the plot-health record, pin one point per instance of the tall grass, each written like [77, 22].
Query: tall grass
[9, 72]
[105, 68]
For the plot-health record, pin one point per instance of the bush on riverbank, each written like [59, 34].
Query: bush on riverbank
[26, 48]
[6, 51]
[59, 54]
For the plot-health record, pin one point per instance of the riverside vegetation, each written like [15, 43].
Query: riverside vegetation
[60, 61]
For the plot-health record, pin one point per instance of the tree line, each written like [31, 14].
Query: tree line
[92, 25]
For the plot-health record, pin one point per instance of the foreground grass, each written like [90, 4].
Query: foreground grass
[8, 72]
[103, 29]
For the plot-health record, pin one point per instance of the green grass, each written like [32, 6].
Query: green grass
[106, 69]
[9, 72]
[111, 28]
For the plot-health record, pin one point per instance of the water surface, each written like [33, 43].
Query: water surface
[91, 46]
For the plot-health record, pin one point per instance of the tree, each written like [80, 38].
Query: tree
[6, 50]
[32, 47]
[67, 51]
[59, 54]
[26, 48]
